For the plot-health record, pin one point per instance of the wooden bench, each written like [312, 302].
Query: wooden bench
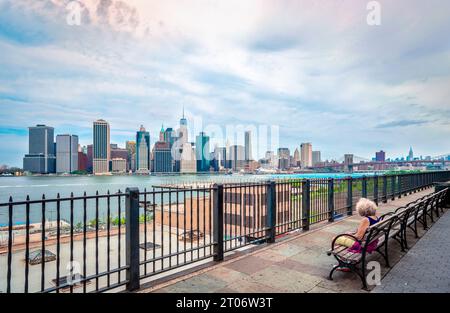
[392, 225]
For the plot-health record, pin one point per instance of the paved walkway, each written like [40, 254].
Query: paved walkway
[296, 263]
[425, 268]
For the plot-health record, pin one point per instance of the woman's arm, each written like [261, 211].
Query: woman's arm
[363, 225]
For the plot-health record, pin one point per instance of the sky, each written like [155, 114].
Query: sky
[315, 69]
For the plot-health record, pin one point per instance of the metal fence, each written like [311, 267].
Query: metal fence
[97, 243]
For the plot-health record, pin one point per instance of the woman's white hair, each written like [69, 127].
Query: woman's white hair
[366, 207]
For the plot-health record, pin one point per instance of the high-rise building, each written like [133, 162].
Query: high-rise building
[82, 161]
[90, 158]
[306, 154]
[220, 158]
[316, 158]
[202, 152]
[183, 131]
[162, 157]
[131, 156]
[101, 147]
[297, 159]
[118, 165]
[187, 163]
[162, 134]
[284, 158]
[410, 155]
[248, 146]
[142, 151]
[380, 156]
[237, 157]
[66, 153]
[41, 150]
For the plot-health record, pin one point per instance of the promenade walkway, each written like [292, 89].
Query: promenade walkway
[295, 263]
[425, 268]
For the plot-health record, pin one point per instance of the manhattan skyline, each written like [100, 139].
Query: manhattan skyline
[316, 70]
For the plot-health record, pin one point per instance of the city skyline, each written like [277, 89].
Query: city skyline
[344, 96]
[171, 137]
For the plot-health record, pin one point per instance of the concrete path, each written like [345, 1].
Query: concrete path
[295, 263]
[425, 268]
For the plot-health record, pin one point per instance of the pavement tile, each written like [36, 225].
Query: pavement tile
[249, 265]
[285, 280]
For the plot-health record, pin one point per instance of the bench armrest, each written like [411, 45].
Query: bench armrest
[329, 252]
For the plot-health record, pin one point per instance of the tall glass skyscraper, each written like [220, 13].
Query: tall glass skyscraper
[248, 146]
[142, 151]
[202, 152]
[101, 147]
[41, 150]
[66, 153]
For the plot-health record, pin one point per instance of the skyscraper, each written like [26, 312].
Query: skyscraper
[237, 157]
[410, 155]
[202, 152]
[380, 156]
[142, 151]
[306, 154]
[297, 158]
[66, 153]
[183, 131]
[41, 150]
[101, 147]
[316, 157]
[131, 157]
[162, 157]
[284, 156]
[248, 146]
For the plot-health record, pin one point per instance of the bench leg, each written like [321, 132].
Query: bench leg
[330, 277]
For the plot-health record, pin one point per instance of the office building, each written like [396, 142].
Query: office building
[66, 153]
[296, 159]
[187, 163]
[131, 154]
[316, 158]
[202, 152]
[237, 157]
[41, 157]
[118, 165]
[380, 156]
[90, 158]
[101, 147]
[142, 151]
[248, 146]
[306, 154]
[162, 157]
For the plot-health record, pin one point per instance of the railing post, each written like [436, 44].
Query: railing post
[393, 180]
[306, 204]
[132, 238]
[350, 196]
[384, 189]
[399, 185]
[375, 189]
[218, 222]
[271, 211]
[364, 187]
[331, 200]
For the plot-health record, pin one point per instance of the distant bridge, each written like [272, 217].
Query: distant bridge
[395, 163]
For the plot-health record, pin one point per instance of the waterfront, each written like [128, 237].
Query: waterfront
[36, 186]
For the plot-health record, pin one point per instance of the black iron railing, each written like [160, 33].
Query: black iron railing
[113, 241]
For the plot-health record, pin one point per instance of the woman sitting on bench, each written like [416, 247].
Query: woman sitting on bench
[367, 209]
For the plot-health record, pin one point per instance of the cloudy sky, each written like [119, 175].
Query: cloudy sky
[314, 68]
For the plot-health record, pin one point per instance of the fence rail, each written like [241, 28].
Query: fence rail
[103, 242]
